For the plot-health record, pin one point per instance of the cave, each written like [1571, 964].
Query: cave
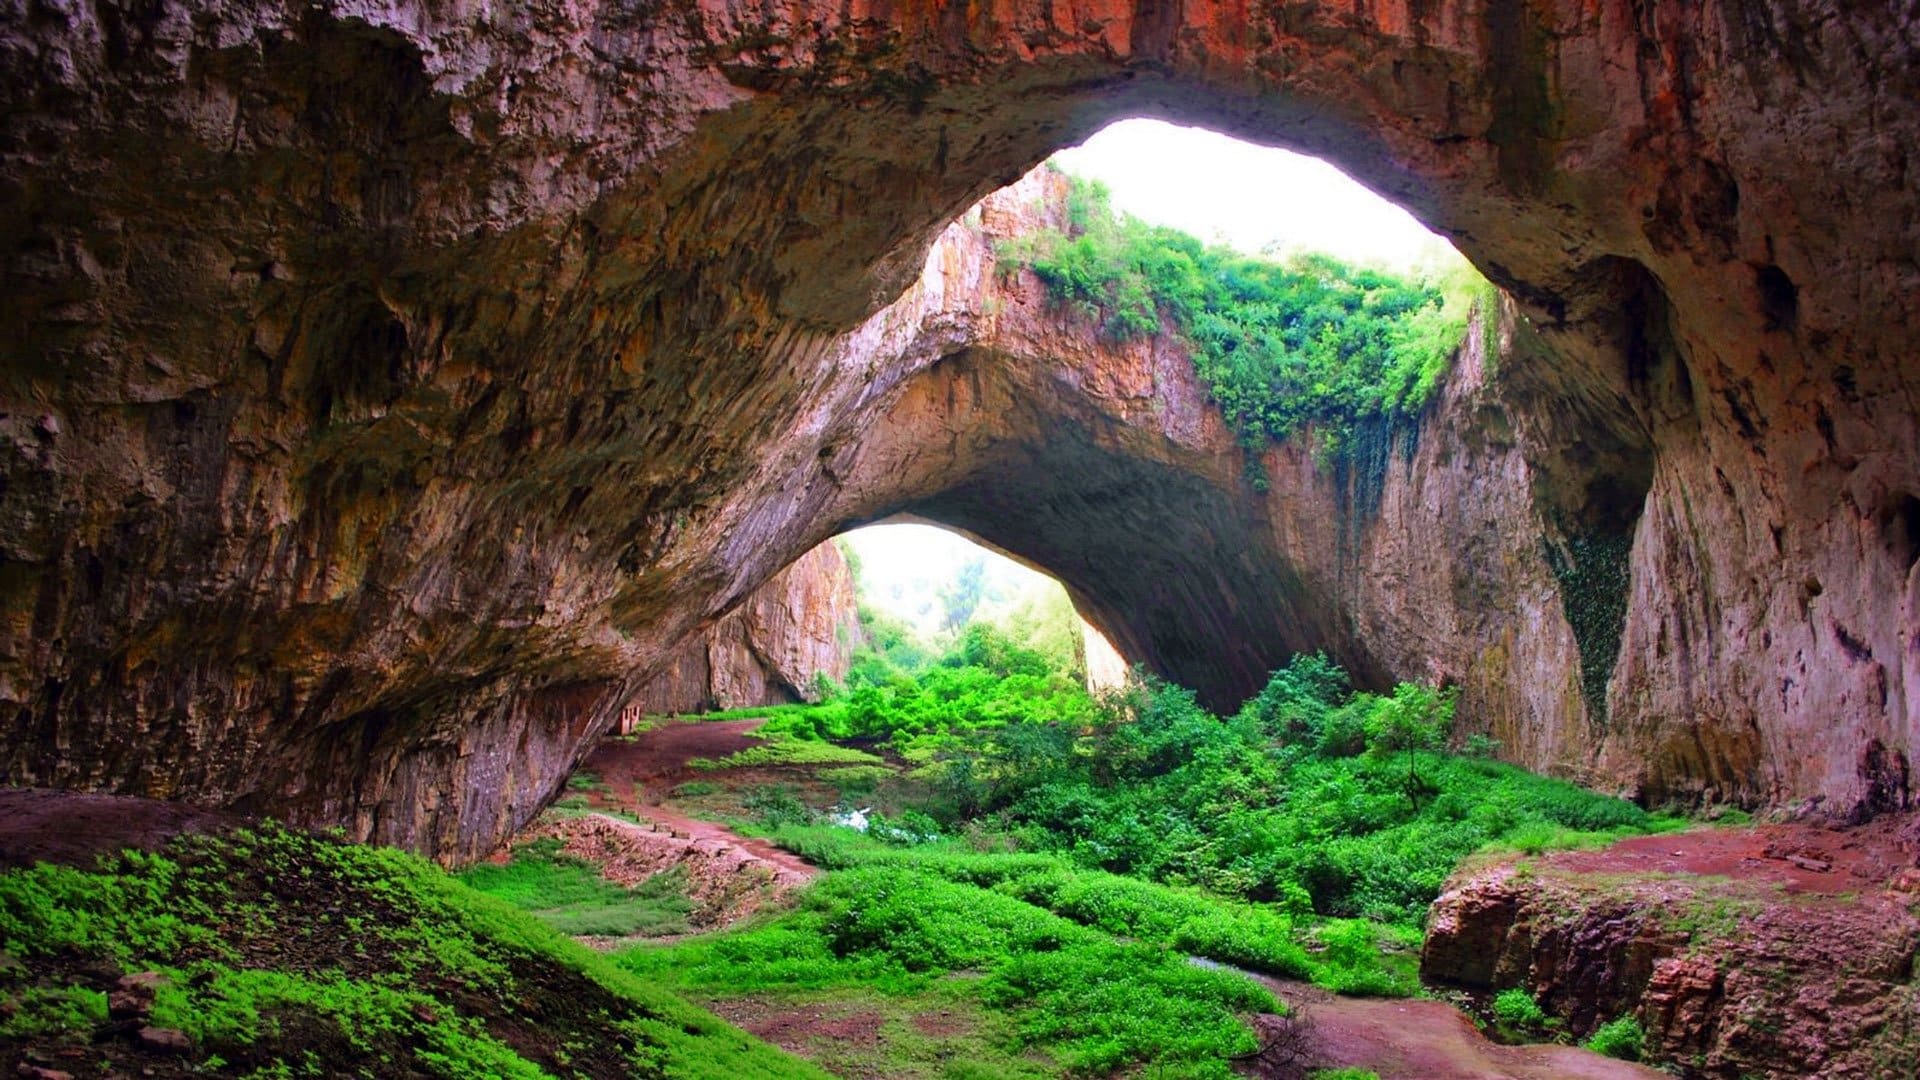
[390, 393]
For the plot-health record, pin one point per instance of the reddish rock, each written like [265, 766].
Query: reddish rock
[165, 1040]
[392, 389]
[1763, 973]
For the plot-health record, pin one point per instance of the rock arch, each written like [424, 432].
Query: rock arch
[387, 386]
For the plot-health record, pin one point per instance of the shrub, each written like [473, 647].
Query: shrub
[1516, 1013]
[1620, 1038]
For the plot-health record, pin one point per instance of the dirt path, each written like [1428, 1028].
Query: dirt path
[659, 824]
[658, 759]
[1799, 857]
[70, 827]
[1429, 1040]
[636, 777]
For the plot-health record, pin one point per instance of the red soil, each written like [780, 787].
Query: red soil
[1428, 1040]
[658, 760]
[1799, 857]
[795, 1029]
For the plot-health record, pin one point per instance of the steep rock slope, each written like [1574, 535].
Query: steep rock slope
[390, 387]
[802, 624]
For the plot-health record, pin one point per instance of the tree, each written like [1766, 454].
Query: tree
[962, 596]
[1414, 718]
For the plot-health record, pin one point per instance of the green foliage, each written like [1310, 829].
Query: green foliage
[987, 680]
[1343, 1074]
[1268, 805]
[963, 594]
[1098, 1004]
[1261, 937]
[1621, 1038]
[569, 895]
[775, 806]
[41, 1011]
[1279, 344]
[781, 749]
[287, 953]
[1411, 719]
[1594, 575]
[1517, 1015]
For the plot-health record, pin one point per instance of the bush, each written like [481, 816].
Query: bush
[1516, 1013]
[1620, 1038]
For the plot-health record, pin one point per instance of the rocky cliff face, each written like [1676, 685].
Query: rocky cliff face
[1779, 952]
[389, 387]
[802, 624]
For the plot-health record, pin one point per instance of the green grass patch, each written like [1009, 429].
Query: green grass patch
[755, 712]
[569, 895]
[1271, 938]
[290, 955]
[785, 750]
[1094, 1003]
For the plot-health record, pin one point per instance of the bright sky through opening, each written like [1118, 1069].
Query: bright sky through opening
[1251, 197]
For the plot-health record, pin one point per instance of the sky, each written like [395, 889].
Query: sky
[1218, 189]
[903, 565]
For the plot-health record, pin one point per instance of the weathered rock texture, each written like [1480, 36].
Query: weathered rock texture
[389, 387]
[802, 624]
[1769, 967]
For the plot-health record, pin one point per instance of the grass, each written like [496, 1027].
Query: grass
[1621, 1038]
[569, 895]
[1358, 957]
[1096, 1003]
[783, 750]
[291, 955]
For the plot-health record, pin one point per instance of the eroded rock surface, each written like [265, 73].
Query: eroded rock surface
[389, 388]
[1782, 951]
[802, 624]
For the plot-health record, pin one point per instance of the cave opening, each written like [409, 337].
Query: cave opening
[1132, 430]
[922, 587]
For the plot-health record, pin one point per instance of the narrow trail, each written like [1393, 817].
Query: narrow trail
[636, 777]
[677, 829]
[1406, 1039]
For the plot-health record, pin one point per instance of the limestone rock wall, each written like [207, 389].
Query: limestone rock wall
[387, 388]
[802, 624]
[1727, 978]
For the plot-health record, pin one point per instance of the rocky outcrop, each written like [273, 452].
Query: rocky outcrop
[1781, 952]
[1104, 463]
[389, 388]
[804, 623]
